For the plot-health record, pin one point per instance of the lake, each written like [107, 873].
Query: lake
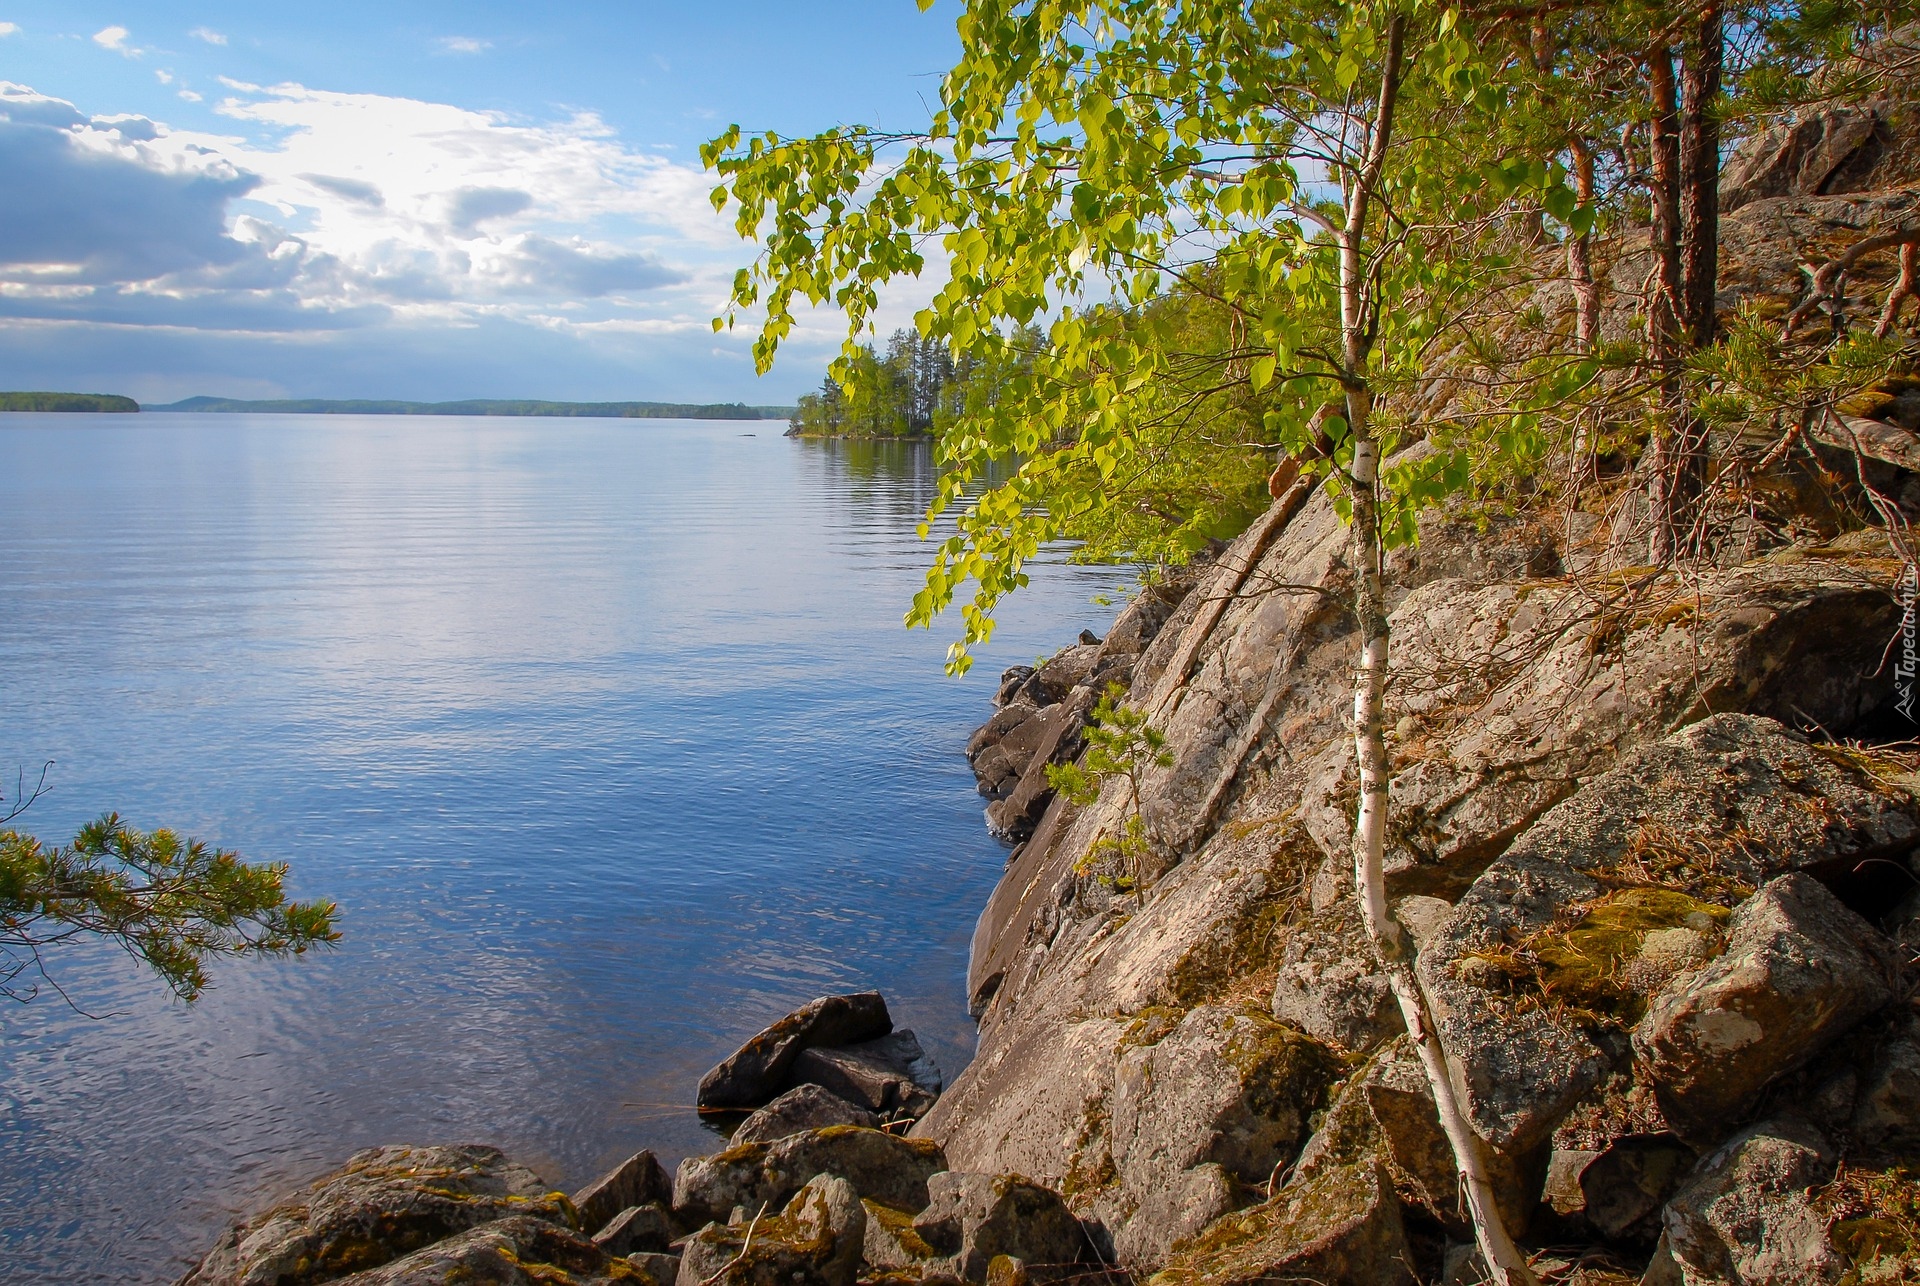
[604, 735]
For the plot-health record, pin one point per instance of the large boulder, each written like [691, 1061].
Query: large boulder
[891, 1076]
[639, 1180]
[383, 1204]
[1339, 1227]
[1716, 809]
[517, 1251]
[1521, 1067]
[970, 1219]
[1226, 1089]
[881, 1167]
[815, 1241]
[804, 1107]
[759, 1070]
[1385, 1114]
[1746, 1216]
[1799, 970]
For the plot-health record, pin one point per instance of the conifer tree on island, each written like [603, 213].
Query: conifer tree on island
[1340, 189]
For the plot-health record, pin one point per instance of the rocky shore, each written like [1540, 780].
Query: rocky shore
[1654, 836]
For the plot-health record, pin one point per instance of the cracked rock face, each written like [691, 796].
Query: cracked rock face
[815, 1241]
[1340, 1225]
[970, 1219]
[1798, 971]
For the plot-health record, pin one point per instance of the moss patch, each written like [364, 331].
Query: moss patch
[1875, 1222]
[1577, 965]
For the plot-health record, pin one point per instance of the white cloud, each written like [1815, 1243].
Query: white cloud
[115, 38]
[207, 34]
[189, 96]
[9, 28]
[331, 209]
[463, 45]
[163, 76]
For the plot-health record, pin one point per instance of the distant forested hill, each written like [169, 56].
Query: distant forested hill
[66, 402]
[611, 410]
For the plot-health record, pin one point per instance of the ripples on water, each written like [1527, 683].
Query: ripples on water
[604, 735]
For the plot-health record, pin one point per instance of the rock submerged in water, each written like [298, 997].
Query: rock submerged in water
[847, 1046]
[759, 1070]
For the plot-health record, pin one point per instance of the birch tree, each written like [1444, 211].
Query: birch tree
[1331, 175]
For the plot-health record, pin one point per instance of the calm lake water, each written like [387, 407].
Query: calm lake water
[605, 736]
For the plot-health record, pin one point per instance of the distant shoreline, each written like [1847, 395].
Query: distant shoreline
[482, 406]
[67, 402]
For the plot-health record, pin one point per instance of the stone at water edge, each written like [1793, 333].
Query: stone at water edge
[644, 1229]
[757, 1072]
[881, 1167]
[804, 1107]
[637, 1181]
[970, 1219]
[891, 1076]
[1799, 970]
[516, 1249]
[383, 1204]
[815, 1241]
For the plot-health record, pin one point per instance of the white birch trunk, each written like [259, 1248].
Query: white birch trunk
[1504, 1260]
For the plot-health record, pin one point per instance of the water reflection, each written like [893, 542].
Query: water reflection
[604, 734]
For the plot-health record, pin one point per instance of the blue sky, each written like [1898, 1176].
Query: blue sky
[412, 200]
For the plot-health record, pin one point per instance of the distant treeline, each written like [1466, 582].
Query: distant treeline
[912, 392]
[66, 402]
[605, 410]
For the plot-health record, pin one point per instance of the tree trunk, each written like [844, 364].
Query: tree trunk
[1390, 942]
[1700, 173]
[1586, 292]
[1672, 484]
